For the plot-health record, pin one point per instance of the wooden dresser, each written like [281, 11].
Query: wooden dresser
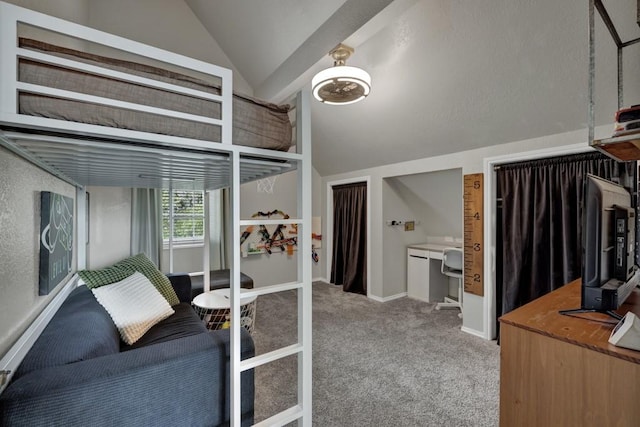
[558, 370]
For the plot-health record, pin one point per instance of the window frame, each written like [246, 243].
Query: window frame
[167, 216]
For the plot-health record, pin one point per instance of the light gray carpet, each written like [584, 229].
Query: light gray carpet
[399, 363]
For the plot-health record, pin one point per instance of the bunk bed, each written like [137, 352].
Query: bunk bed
[96, 109]
[65, 94]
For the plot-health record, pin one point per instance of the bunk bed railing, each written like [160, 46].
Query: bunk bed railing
[13, 17]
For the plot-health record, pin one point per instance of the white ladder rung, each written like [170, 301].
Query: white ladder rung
[271, 289]
[269, 357]
[282, 418]
[288, 221]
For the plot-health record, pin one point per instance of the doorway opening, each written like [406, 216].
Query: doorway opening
[348, 234]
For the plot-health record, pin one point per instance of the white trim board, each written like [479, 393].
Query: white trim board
[473, 332]
[387, 299]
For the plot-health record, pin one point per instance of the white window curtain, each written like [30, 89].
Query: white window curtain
[218, 226]
[146, 223]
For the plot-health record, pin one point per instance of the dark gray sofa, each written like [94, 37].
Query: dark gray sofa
[79, 373]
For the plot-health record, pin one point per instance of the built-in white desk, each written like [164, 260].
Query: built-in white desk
[425, 280]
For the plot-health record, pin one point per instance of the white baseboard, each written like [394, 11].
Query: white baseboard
[478, 334]
[387, 299]
[373, 297]
[12, 359]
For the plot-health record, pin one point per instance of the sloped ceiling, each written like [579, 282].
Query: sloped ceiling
[447, 75]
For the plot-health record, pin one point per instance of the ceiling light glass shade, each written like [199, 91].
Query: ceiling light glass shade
[341, 85]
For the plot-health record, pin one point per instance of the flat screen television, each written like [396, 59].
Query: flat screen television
[609, 270]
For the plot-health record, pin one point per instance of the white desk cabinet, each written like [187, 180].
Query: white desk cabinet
[424, 278]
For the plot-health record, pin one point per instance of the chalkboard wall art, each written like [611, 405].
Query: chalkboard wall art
[56, 239]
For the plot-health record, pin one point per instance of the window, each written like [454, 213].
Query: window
[188, 216]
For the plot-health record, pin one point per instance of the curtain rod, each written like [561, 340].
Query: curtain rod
[596, 155]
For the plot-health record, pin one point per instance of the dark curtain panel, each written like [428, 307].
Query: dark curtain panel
[541, 222]
[348, 267]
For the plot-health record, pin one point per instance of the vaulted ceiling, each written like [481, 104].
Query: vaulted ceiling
[447, 75]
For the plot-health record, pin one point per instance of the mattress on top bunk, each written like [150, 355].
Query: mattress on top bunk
[255, 123]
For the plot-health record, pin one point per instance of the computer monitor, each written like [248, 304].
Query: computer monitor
[609, 271]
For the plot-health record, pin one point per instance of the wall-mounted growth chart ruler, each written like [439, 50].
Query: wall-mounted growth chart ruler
[473, 234]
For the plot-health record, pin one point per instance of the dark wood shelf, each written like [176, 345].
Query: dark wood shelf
[623, 148]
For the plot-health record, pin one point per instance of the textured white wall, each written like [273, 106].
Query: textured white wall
[20, 187]
[166, 24]
[434, 198]
[278, 267]
[72, 10]
[185, 259]
[109, 225]
[395, 207]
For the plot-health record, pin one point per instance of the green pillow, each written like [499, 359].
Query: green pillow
[105, 276]
[125, 268]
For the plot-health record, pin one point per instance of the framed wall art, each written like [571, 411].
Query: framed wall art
[56, 240]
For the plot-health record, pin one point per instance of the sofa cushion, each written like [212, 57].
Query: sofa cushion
[80, 330]
[134, 304]
[183, 323]
[124, 268]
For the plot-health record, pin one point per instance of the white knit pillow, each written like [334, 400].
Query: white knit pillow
[134, 304]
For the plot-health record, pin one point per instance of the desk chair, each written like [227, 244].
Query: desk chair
[452, 267]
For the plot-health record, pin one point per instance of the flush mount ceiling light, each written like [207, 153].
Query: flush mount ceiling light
[341, 84]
